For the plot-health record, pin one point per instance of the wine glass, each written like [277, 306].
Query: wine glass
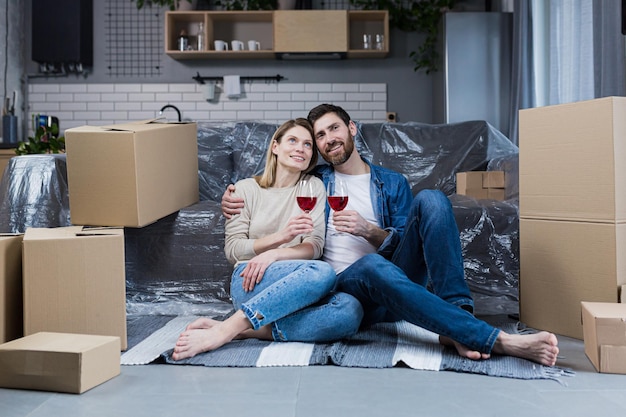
[337, 194]
[305, 195]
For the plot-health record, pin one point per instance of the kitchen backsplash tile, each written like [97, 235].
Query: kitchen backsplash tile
[99, 104]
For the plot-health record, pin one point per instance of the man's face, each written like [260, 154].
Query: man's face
[334, 139]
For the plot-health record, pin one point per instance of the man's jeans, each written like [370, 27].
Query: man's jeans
[429, 255]
[294, 297]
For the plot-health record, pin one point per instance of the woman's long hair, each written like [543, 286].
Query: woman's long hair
[268, 177]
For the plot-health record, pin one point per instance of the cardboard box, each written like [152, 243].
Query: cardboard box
[481, 184]
[131, 174]
[60, 362]
[572, 161]
[563, 263]
[604, 327]
[10, 287]
[74, 281]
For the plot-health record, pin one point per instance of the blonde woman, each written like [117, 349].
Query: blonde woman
[280, 292]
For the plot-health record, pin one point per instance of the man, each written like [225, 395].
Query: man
[401, 256]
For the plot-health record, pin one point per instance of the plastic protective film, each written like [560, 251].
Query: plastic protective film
[177, 265]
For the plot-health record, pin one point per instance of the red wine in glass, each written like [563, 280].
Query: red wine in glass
[306, 203]
[337, 196]
[338, 203]
[305, 196]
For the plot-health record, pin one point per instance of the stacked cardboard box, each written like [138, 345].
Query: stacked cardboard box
[572, 210]
[481, 184]
[74, 281]
[10, 287]
[73, 278]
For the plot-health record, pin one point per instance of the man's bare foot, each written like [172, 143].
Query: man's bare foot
[202, 323]
[463, 350]
[538, 347]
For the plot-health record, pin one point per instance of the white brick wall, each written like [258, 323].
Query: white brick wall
[101, 104]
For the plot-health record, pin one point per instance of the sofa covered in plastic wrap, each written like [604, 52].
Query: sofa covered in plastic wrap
[177, 264]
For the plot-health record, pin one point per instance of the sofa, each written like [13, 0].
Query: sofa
[177, 264]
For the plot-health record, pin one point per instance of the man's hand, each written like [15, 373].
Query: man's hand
[230, 204]
[350, 221]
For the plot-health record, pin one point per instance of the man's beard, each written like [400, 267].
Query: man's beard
[348, 148]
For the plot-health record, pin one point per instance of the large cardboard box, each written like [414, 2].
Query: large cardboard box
[74, 281]
[131, 174]
[604, 327]
[572, 161]
[60, 362]
[572, 196]
[10, 287]
[563, 263]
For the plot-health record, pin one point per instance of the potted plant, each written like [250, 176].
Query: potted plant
[172, 4]
[422, 16]
[248, 4]
[46, 140]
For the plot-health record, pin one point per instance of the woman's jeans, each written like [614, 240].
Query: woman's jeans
[295, 298]
[429, 255]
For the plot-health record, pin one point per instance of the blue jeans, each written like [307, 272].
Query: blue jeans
[295, 298]
[429, 255]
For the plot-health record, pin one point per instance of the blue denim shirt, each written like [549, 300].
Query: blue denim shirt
[391, 200]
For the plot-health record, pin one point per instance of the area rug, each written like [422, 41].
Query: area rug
[383, 345]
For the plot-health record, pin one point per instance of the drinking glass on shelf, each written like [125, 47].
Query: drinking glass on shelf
[305, 195]
[337, 195]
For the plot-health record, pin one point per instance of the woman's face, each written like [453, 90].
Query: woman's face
[295, 149]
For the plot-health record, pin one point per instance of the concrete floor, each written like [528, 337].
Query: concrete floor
[186, 391]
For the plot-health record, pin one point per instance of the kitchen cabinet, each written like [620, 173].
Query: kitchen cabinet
[280, 33]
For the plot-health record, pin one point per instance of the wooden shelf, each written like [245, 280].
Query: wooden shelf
[278, 32]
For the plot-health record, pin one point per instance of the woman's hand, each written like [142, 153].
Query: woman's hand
[301, 224]
[253, 273]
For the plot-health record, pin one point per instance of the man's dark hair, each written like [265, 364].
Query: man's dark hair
[323, 109]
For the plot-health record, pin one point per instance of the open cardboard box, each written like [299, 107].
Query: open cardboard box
[74, 281]
[131, 174]
[604, 328]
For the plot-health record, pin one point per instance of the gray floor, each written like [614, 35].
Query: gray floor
[186, 391]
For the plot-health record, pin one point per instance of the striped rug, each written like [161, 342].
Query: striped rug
[383, 345]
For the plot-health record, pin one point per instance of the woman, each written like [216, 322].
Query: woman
[279, 292]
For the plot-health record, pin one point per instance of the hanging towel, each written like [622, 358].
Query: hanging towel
[232, 86]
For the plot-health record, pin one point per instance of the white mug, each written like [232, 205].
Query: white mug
[254, 45]
[221, 46]
[237, 45]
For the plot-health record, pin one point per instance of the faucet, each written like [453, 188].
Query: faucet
[172, 107]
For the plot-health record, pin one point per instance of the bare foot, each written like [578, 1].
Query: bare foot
[463, 350]
[538, 347]
[197, 340]
[202, 323]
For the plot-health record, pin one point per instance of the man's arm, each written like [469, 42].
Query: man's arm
[231, 205]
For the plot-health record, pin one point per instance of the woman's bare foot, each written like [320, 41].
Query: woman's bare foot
[463, 350]
[197, 340]
[202, 323]
[538, 347]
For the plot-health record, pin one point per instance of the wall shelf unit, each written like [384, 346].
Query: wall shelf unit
[278, 32]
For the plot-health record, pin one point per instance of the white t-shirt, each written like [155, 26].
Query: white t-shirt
[342, 250]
